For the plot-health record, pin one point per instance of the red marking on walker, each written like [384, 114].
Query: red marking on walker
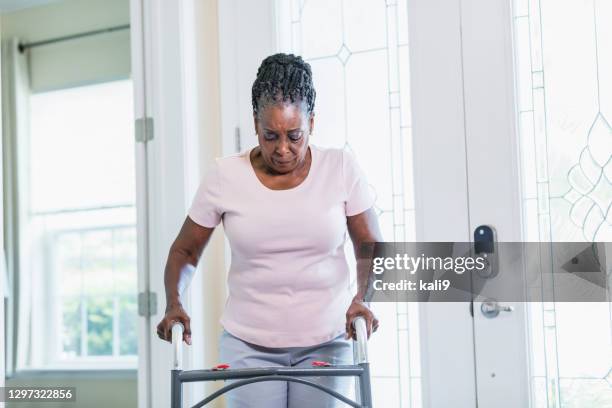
[320, 364]
[221, 367]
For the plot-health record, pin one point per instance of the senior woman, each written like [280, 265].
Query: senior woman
[286, 206]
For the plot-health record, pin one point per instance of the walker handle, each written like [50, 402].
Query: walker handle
[185, 276]
[361, 333]
[177, 343]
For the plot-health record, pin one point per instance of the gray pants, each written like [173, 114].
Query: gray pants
[281, 394]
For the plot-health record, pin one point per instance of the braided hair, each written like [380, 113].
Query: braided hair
[281, 78]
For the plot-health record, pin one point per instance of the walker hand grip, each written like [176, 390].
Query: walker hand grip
[177, 343]
[185, 276]
[361, 331]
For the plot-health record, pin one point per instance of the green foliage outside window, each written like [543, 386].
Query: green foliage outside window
[100, 312]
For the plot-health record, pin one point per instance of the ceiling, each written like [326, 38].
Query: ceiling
[14, 5]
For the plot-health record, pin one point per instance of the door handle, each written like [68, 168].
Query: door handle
[490, 308]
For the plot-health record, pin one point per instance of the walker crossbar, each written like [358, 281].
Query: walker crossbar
[231, 374]
[246, 376]
[272, 377]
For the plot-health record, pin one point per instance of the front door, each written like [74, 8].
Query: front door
[513, 107]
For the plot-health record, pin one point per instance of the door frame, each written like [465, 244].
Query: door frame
[167, 171]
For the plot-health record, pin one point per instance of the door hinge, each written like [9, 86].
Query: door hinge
[237, 141]
[144, 129]
[147, 304]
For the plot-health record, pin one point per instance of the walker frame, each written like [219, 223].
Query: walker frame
[360, 370]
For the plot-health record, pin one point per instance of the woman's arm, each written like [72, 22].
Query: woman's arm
[362, 228]
[183, 257]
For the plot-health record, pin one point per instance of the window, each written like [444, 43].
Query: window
[563, 79]
[78, 238]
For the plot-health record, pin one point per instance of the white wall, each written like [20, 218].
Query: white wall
[211, 277]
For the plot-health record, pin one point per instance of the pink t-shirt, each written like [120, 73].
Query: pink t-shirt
[289, 279]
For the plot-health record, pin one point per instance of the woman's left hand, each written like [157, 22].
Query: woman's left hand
[359, 308]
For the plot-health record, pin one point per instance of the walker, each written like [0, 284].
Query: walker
[360, 370]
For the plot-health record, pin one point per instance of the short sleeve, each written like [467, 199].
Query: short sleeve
[205, 208]
[359, 198]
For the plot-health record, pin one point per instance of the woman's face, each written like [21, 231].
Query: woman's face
[283, 131]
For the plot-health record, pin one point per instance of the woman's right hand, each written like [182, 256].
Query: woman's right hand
[174, 313]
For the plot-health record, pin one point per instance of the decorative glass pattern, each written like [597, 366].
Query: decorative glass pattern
[564, 82]
[358, 51]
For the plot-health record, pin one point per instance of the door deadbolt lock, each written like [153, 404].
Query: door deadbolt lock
[485, 244]
[490, 308]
